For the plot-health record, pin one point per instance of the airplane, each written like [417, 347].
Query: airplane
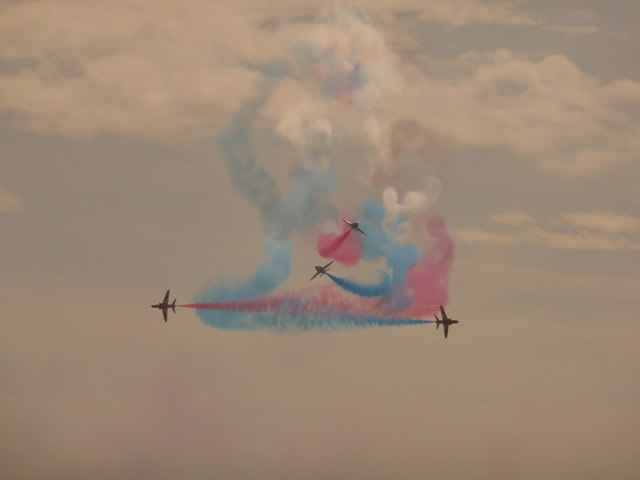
[445, 321]
[165, 305]
[321, 270]
[353, 225]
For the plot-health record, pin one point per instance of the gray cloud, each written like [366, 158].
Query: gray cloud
[465, 12]
[156, 69]
[546, 110]
[147, 69]
[595, 230]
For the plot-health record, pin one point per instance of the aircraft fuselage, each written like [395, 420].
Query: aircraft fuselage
[445, 321]
[165, 305]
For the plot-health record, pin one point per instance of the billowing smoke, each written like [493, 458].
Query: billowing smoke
[345, 68]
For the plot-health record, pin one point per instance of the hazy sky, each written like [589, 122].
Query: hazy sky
[113, 187]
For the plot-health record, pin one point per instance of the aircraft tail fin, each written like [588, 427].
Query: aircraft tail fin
[437, 321]
[173, 305]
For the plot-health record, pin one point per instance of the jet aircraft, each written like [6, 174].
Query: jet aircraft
[353, 225]
[445, 321]
[321, 270]
[165, 305]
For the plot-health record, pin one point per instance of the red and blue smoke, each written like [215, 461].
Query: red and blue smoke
[344, 67]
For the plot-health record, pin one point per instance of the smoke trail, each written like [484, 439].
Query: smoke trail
[329, 243]
[343, 60]
[284, 322]
[344, 248]
[306, 204]
[381, 242]
[428, 279]
[266, 277]
[344, 65]
[383, 287]
[419, 280]
[319, 309]
[252, 181]
[411, 161]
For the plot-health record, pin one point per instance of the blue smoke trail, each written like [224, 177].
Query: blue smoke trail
[309, 184]
[254, 182]
[289, 323]
[383, 287]
[281, 215]
[266, 277]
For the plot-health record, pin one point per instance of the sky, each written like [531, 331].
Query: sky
[490, 150]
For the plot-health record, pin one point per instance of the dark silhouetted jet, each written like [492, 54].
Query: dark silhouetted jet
[321, 270]
[165, 305]
[446, 321]
[353, 225]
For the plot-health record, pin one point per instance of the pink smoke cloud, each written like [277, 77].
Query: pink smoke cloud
[428, 280]
[343, 248]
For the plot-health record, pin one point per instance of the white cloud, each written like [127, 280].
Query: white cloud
[595, 230]
[9, 201]
[545, 110]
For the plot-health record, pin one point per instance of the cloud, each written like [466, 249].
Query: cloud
[449, 12]
[595, 230]
[465, 12]
[474, 236]
[603, 221]
[512, 218]
[575, 29]
[170, 71]
[545, 110]
[9, 202]
[150, 69]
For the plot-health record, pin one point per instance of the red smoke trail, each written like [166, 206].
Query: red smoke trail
[340, 247]
[316, 300]
[428, 280]
[329, 243]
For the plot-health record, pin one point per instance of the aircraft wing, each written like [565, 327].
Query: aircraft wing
[314, 276]
[358, 228]
[166, 297]
[346, 221]
[327, 265]
[164, 314]
[446, 329]
[444, 315]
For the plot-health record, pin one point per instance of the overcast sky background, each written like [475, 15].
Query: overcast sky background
[112, 189]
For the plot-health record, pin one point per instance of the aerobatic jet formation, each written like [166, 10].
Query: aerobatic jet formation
[321, 270]
[165, 305]
[353, 225]
[445, 321]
